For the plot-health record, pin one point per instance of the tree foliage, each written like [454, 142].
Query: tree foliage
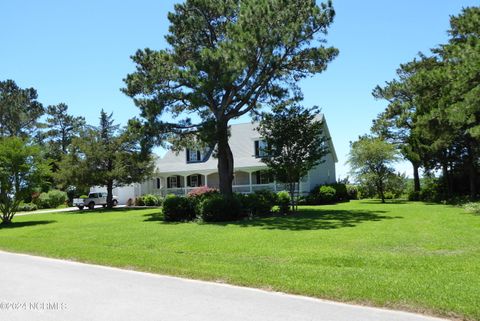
[295, 143]
[371, 160]
[62, 128]
[226, 59]
[105, 156]
[19, 110]
[22, 168]
[434, 107]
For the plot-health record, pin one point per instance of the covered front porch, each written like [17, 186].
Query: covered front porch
[244, 181]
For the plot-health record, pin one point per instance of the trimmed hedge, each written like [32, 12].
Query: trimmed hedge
[151, 200]
[327, 195]
[211, 206]
[259, 203]
[217, 208]
[178, 209]
[331, 193]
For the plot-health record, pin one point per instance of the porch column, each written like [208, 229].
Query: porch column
[250, 181]
[206, 180]
[185, 184]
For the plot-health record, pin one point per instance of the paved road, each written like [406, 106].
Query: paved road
[35, 288]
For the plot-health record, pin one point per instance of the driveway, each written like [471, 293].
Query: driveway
[36, 288]
[60, 210]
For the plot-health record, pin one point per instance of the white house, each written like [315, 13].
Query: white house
[178, 173]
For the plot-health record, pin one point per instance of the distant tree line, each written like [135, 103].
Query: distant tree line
[433, 112]
[44, 148]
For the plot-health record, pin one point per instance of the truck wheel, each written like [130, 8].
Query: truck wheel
[80, 208]
[91, 205]
[115, 203]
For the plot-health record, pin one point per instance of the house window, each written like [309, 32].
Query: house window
[193, 155]
[194, 181]
[158, 183]
[260, 146]
[173, 181]
[264, 177]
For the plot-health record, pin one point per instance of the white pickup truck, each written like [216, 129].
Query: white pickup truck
[92, 200]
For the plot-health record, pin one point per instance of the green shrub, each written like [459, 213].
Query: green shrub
[352, 192]
[473, 208]
[258, 203]
[341, 192]
[27, 207]
[52, 199]
[326, 195]
[139, 201]
[151, 200]
[431, 190]
[217, 208]
[178, 209]
[269, 196]
[57, 198]
[42, 201]
[83, 196]
[389, 195]
[331, 193]
[413, 195]
[283, 201]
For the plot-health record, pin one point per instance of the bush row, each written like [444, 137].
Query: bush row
[27, 207]
[146, 200]
[211, 206]
[331, 193]
[51, 199]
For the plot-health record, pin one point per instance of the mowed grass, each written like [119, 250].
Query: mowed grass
[410, 256]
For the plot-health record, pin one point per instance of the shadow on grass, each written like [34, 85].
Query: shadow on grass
[156, 217]
[24, 224]
[387, 202]
[111, 210]
[316, 220]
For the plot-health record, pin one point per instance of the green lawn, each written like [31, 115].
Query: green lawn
[410, 256]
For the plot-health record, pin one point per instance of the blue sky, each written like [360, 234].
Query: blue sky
[78, 52]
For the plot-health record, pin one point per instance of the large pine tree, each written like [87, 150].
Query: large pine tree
[225, 59]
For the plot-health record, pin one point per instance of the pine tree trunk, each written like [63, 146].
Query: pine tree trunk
[381, 191]
[446, 176]
[110, 194]
[416, 178]
[472, 173]
[225, 161]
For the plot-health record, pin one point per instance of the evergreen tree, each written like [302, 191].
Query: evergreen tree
[105, 156]
[226, 59]
[19, 110]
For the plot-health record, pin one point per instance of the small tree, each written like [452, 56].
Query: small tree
[106, 156]
[370, 159]
[294, 143]
[22, 168]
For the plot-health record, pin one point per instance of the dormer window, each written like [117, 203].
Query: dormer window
[193, 155]
[260, 146]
